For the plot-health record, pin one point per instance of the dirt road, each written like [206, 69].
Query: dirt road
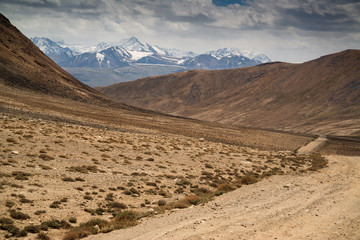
[320, 205]
[312, 145]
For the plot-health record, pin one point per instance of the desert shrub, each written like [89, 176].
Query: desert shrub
[192, 199]
[72, 220]
[133, 190]
[179, 190]
[207, 165]
[91, 211]
[19, 175]
[183, 182]
[46, 157]
[5, 220]
[25, 200]
[127, 192]
[56, 224]
[225, 187]
[11, 140]
[42, 236]
[68, 179]
[88, 197]
[200, 191]
[84, 169]
[13, 230]
[76, 233]
[55, 204]
[249, 179]
[161, 203]
[39, 212]
[22, 233]
[110, 196]
[9, 203]
[151, 184]
[32, 228]
[317, 162]
[164, 194]
[117, 205]
[125, 219]
[19, 215]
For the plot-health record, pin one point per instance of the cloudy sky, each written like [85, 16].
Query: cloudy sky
[284, 30]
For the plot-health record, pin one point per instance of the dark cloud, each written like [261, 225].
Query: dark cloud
[196, 24]
[338, 22]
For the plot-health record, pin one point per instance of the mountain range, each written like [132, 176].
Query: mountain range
[133, 59]
[132, 51]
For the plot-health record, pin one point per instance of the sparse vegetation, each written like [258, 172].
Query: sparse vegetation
[141, 184]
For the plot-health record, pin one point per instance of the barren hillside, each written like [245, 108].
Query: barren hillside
[24, 66]
[319, 96]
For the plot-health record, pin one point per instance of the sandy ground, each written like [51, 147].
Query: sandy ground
[319, 205]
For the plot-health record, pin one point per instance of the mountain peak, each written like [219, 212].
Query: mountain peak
[133, 40]
[227, 52]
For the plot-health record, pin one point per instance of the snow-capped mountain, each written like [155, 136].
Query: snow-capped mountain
[53, 50]
[112, 57]
[231, 52]
[132, 51]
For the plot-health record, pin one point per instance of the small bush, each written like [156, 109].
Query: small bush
[11, 140]
[19, 215]
[9, 203]
[68, 179]
[42, 236]
[56, 224]
[225, 187]
[183, 182]
[72, 220]
[39, 212]
[249, 179]
[19, 175]
[88, 197]
[32, 228]
[317, 162]
[116, 205]
[46, 157]
[5, 220]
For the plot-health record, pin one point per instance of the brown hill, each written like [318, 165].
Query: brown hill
[321, 96]
[24, 66]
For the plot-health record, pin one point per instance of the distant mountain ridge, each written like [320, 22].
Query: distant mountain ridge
[132, 51]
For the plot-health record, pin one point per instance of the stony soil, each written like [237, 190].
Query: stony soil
[52, 170]
[321, 205]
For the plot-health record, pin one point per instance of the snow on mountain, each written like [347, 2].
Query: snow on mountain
[131, 51]
[230, 52]
[52, 49]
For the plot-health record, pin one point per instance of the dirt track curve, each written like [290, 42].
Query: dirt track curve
[312, 145]
[318, 205]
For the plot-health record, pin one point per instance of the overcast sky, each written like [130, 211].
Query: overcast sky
[284, 30]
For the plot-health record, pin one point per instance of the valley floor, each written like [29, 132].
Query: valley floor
[320, 205]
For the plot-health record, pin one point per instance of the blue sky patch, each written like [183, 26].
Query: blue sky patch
[224, 3]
